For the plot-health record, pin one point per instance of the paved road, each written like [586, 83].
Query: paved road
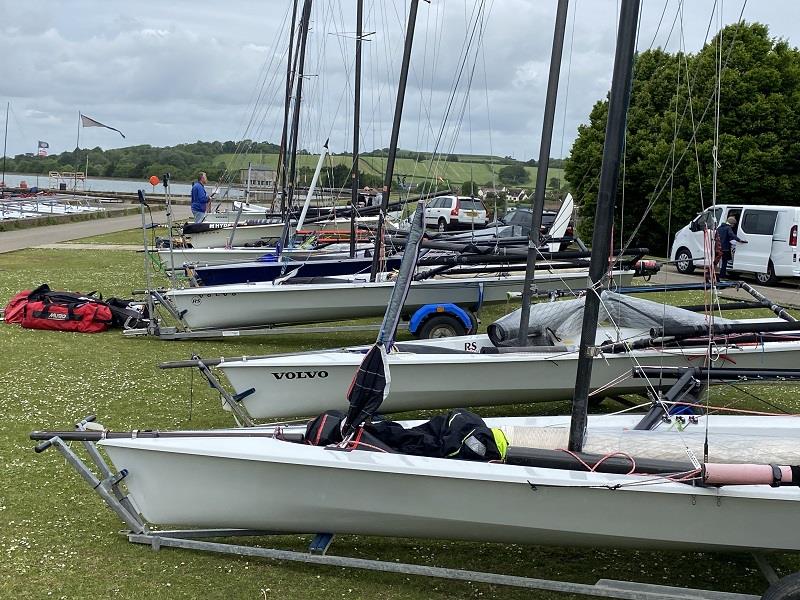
[783, 293]
[18, 239]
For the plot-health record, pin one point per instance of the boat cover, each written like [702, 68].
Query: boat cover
[565, 318]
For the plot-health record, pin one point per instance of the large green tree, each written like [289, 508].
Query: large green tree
[673, 97]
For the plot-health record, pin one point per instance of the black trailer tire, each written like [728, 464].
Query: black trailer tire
[786, 588]
[441, 226]
[439, 326]
[683, 261]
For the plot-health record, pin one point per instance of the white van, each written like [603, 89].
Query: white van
[771, 232]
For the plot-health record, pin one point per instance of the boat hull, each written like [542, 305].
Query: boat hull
[218, 237]
[269, 271]
[269, 484]
[222, 256]
[308, 384]
[264, 304]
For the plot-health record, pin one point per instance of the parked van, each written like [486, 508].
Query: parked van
[771, 251]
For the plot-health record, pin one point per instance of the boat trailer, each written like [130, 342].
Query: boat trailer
[107, 484]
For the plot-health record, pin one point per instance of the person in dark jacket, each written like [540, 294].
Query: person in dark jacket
[726, 235]
[200, 198]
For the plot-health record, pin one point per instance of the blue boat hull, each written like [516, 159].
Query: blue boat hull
[268, 271]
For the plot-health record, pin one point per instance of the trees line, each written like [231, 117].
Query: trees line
[758, 155]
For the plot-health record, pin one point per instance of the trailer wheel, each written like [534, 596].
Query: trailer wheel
[767, 278]
[683, 261]
[441, 225]
[786, 588]
[440, 326]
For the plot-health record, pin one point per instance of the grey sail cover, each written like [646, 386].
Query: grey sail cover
[566, 317]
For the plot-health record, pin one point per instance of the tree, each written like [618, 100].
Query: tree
[759, 135]
[469, 188]
[513, 174]
[452, 158]
[555, 183]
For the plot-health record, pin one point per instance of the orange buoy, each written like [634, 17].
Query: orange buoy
[154, 180]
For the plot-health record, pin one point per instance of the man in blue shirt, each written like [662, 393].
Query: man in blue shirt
[726, 235]
[200, 198]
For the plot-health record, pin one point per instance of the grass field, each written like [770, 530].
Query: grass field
[58, 540]
[453, 172]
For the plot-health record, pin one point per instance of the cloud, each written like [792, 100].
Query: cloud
[168, 73]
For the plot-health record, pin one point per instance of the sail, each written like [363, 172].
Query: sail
[370, 385]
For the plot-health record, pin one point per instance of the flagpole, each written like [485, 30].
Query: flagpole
[5, 145]
[77, 155]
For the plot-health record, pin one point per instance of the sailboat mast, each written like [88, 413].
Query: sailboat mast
[356, 183]
[398, 113]
[604, 217]
[537, 204]
[280, 171]
[292, 149]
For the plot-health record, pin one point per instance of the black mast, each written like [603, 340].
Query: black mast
[604, 217]
[398, 113]
[537, 204]
[290, 183]
[356, 124]
[280, 171]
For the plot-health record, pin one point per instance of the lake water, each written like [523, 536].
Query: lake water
[102, 184]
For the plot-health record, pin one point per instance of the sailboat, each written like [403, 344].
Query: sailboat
[283, 483]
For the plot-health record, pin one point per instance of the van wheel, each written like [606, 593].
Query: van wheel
[767, 278]
[683, 261]
[441, 225]
[440, 326]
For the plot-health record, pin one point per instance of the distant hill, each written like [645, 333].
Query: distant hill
[480, 169]
[184, 161]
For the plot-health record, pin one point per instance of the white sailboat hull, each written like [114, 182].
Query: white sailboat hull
[261, 304]
[308, 384]
[244, 234]
[269, 484]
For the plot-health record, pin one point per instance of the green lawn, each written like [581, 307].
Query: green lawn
[454, 172]
[58, 540]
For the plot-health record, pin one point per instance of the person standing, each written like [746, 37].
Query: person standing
[726, 235]
[200, 198]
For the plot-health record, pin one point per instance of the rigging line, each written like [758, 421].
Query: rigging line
[671, 196]
[489, 125]
[669, 36]
[690, 104]
[569, 75]
[268, 68]
[462, 63]
[715, 173]
[659, 187]
[627, 410]
[742, 411]
[456, 128]
[658, 27]
[244, 142]
[758, 398]
[657, 192]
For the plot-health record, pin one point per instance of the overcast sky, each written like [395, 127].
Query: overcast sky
[174, 72]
